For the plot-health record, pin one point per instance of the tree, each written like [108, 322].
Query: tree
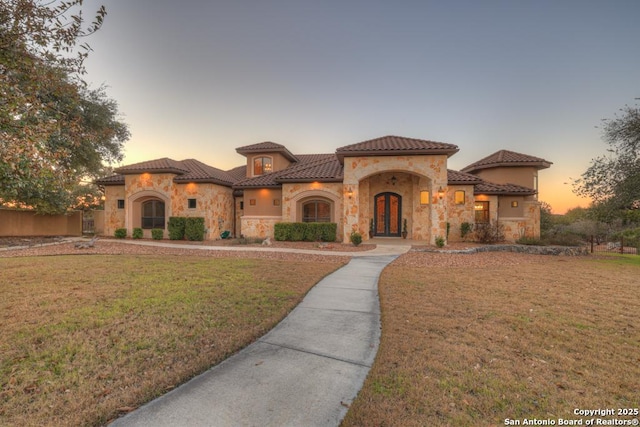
[546, 217]
[613, 180]
[54, 130]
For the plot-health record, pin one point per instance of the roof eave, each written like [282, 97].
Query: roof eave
[537, 165]
[107, 183]
[150, 170]
[252, 186]
[306, 180]
[203, 181]
[284, 151]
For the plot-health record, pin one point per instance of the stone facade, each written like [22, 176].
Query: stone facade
[365, 177]
[459, 213]
[213, 202]
[386, 183]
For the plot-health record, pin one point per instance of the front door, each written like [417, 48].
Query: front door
[388, 214]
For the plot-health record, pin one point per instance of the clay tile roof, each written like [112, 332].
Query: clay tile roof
[310, 167]
[262, 181]
[111, 180]
[503, 189]
[461, 178]
[199, 172]
[266, 147]
[327, 169]
[238, 173]
[394, 145]
[164, 165]
[189, 170]
[507, 158]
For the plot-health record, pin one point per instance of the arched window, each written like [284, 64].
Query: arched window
[316, 211]
[262, 165]
[153, 214]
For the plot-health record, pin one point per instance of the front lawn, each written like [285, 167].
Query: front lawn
[88, 338]
[477, 340]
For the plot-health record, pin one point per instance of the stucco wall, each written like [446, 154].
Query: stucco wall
[279, 162]
[268, 202]
[520, 175]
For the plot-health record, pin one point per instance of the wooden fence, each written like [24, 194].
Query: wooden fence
[16, 223]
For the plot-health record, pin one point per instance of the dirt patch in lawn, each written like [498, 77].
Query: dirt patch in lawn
[474, 340]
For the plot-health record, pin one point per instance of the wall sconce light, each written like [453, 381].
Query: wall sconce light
[393, 180]
[349, 192]
[440, 193]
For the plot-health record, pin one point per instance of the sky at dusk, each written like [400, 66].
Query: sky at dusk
[196, 79]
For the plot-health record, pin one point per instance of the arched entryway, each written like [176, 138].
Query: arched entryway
[387, 214]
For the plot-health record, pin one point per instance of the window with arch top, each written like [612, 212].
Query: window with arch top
[153, 214]
[316, 211]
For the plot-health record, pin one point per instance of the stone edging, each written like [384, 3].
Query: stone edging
[524, 249]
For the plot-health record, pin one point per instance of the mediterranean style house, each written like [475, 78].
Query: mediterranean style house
[379, 185]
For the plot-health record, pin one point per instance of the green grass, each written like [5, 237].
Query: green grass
[621, 259]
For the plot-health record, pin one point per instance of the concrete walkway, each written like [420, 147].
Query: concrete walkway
[304, 372]
[382, 248]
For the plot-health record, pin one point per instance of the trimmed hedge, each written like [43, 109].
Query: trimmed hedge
[194, 228]
[306, 231]
[157, 233]
[176, 227]
[120, 233]
[137, 233]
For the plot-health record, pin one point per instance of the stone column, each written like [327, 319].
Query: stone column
[350, 197]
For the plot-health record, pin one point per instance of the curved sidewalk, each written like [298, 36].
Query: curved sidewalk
[304, 372]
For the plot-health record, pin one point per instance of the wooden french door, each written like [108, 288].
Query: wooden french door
[388, 214]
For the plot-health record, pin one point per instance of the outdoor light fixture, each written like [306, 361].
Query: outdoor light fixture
[393, 180]
[349, 192]
[440, 193]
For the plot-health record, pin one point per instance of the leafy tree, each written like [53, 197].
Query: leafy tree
[546, 217]
[54, 130]
[613, 180]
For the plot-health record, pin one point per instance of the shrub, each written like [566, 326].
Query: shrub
[531, 241]
[465, 229]
[309, 231]
[312, 232]
[563, 238]
[329, 231]
[194, 228]
[157, 233]
[137, 233]
[297, 231]
[356, 238]
[281, 231]
[176, 227]
[120, 233]
[439, 241]
[489, 232]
